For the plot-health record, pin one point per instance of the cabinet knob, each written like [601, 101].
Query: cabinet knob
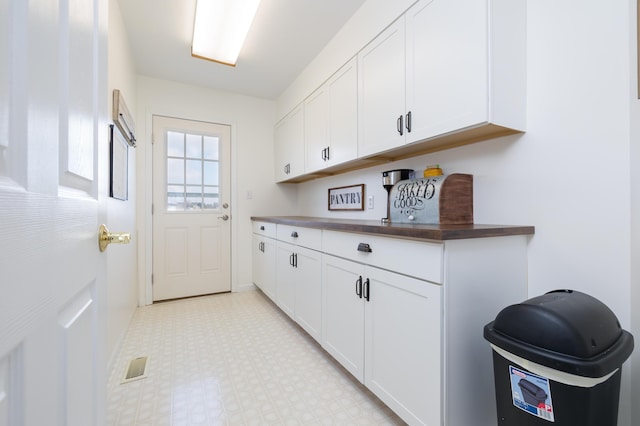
[294, 234]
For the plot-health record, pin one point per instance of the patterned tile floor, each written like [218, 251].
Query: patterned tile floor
[233, 359]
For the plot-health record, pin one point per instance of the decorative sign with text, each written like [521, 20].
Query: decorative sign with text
[346, 198]
[444, 200]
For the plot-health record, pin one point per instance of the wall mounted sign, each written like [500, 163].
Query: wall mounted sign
[119, 158]
[346, 198]
[123, 118]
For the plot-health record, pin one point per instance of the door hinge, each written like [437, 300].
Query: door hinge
[152, 209]
[151, 279]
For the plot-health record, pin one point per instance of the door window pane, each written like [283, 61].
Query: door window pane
[194, 172]
[210, 148]
[175, 197]
[175, 170]
[194, 146]
[175, 144]
[210, 173]
[194, 198]
[211, 197]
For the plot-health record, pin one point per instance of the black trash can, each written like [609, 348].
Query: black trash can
[558, 358]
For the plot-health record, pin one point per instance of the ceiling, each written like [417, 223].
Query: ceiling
[285, 36]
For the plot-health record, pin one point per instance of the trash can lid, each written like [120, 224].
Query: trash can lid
[563, 329]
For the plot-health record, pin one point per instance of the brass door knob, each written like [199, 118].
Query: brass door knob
[105, 238]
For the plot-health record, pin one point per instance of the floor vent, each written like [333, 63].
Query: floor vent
[137, 369]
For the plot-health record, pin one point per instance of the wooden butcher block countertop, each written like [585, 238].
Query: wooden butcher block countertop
[426, 232]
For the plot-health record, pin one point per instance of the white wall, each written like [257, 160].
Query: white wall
[252, 169]
[122, 292]
[569, 175]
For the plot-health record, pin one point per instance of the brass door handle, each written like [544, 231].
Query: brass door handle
[224, 217]
[105, 238]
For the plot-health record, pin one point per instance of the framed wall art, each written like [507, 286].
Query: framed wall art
[119, 160]
[346, 198]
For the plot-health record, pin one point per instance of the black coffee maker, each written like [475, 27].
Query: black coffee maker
[390, 178]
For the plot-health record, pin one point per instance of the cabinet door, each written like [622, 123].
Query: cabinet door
[269, 268]
[381, 94]
[308, 291]
[264, 265]
[281, 157]
[343, 314]
[316, 121]
[257, 262]
[343, 114]
[446, 71]
[285, 277]
[289, 146]
[331, 120]
[403, 345]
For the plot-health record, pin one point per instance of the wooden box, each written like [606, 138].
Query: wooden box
[444, 200]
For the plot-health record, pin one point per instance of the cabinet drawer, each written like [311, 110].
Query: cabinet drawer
[266, 229]
[418, 259]
[305, 237]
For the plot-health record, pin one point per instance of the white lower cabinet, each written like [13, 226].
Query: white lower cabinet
[285, 277]
[385, 329]
[402, 334]
[299, 285]
[343, 313]
[403, 316]
[264, 265]
[308, 291]
[263, 253]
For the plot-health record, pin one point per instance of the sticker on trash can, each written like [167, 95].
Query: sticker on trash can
[531, 393]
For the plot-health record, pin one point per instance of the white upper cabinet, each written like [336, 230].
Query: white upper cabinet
[381, 94]
[447, 71]
[289, 145]
[444, 74]
[446, 67]
[331, 120]
[316, 122]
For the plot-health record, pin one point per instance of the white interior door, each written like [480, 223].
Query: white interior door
[53, 157]
[191, 215]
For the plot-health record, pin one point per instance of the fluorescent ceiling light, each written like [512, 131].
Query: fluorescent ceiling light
[221, 27]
